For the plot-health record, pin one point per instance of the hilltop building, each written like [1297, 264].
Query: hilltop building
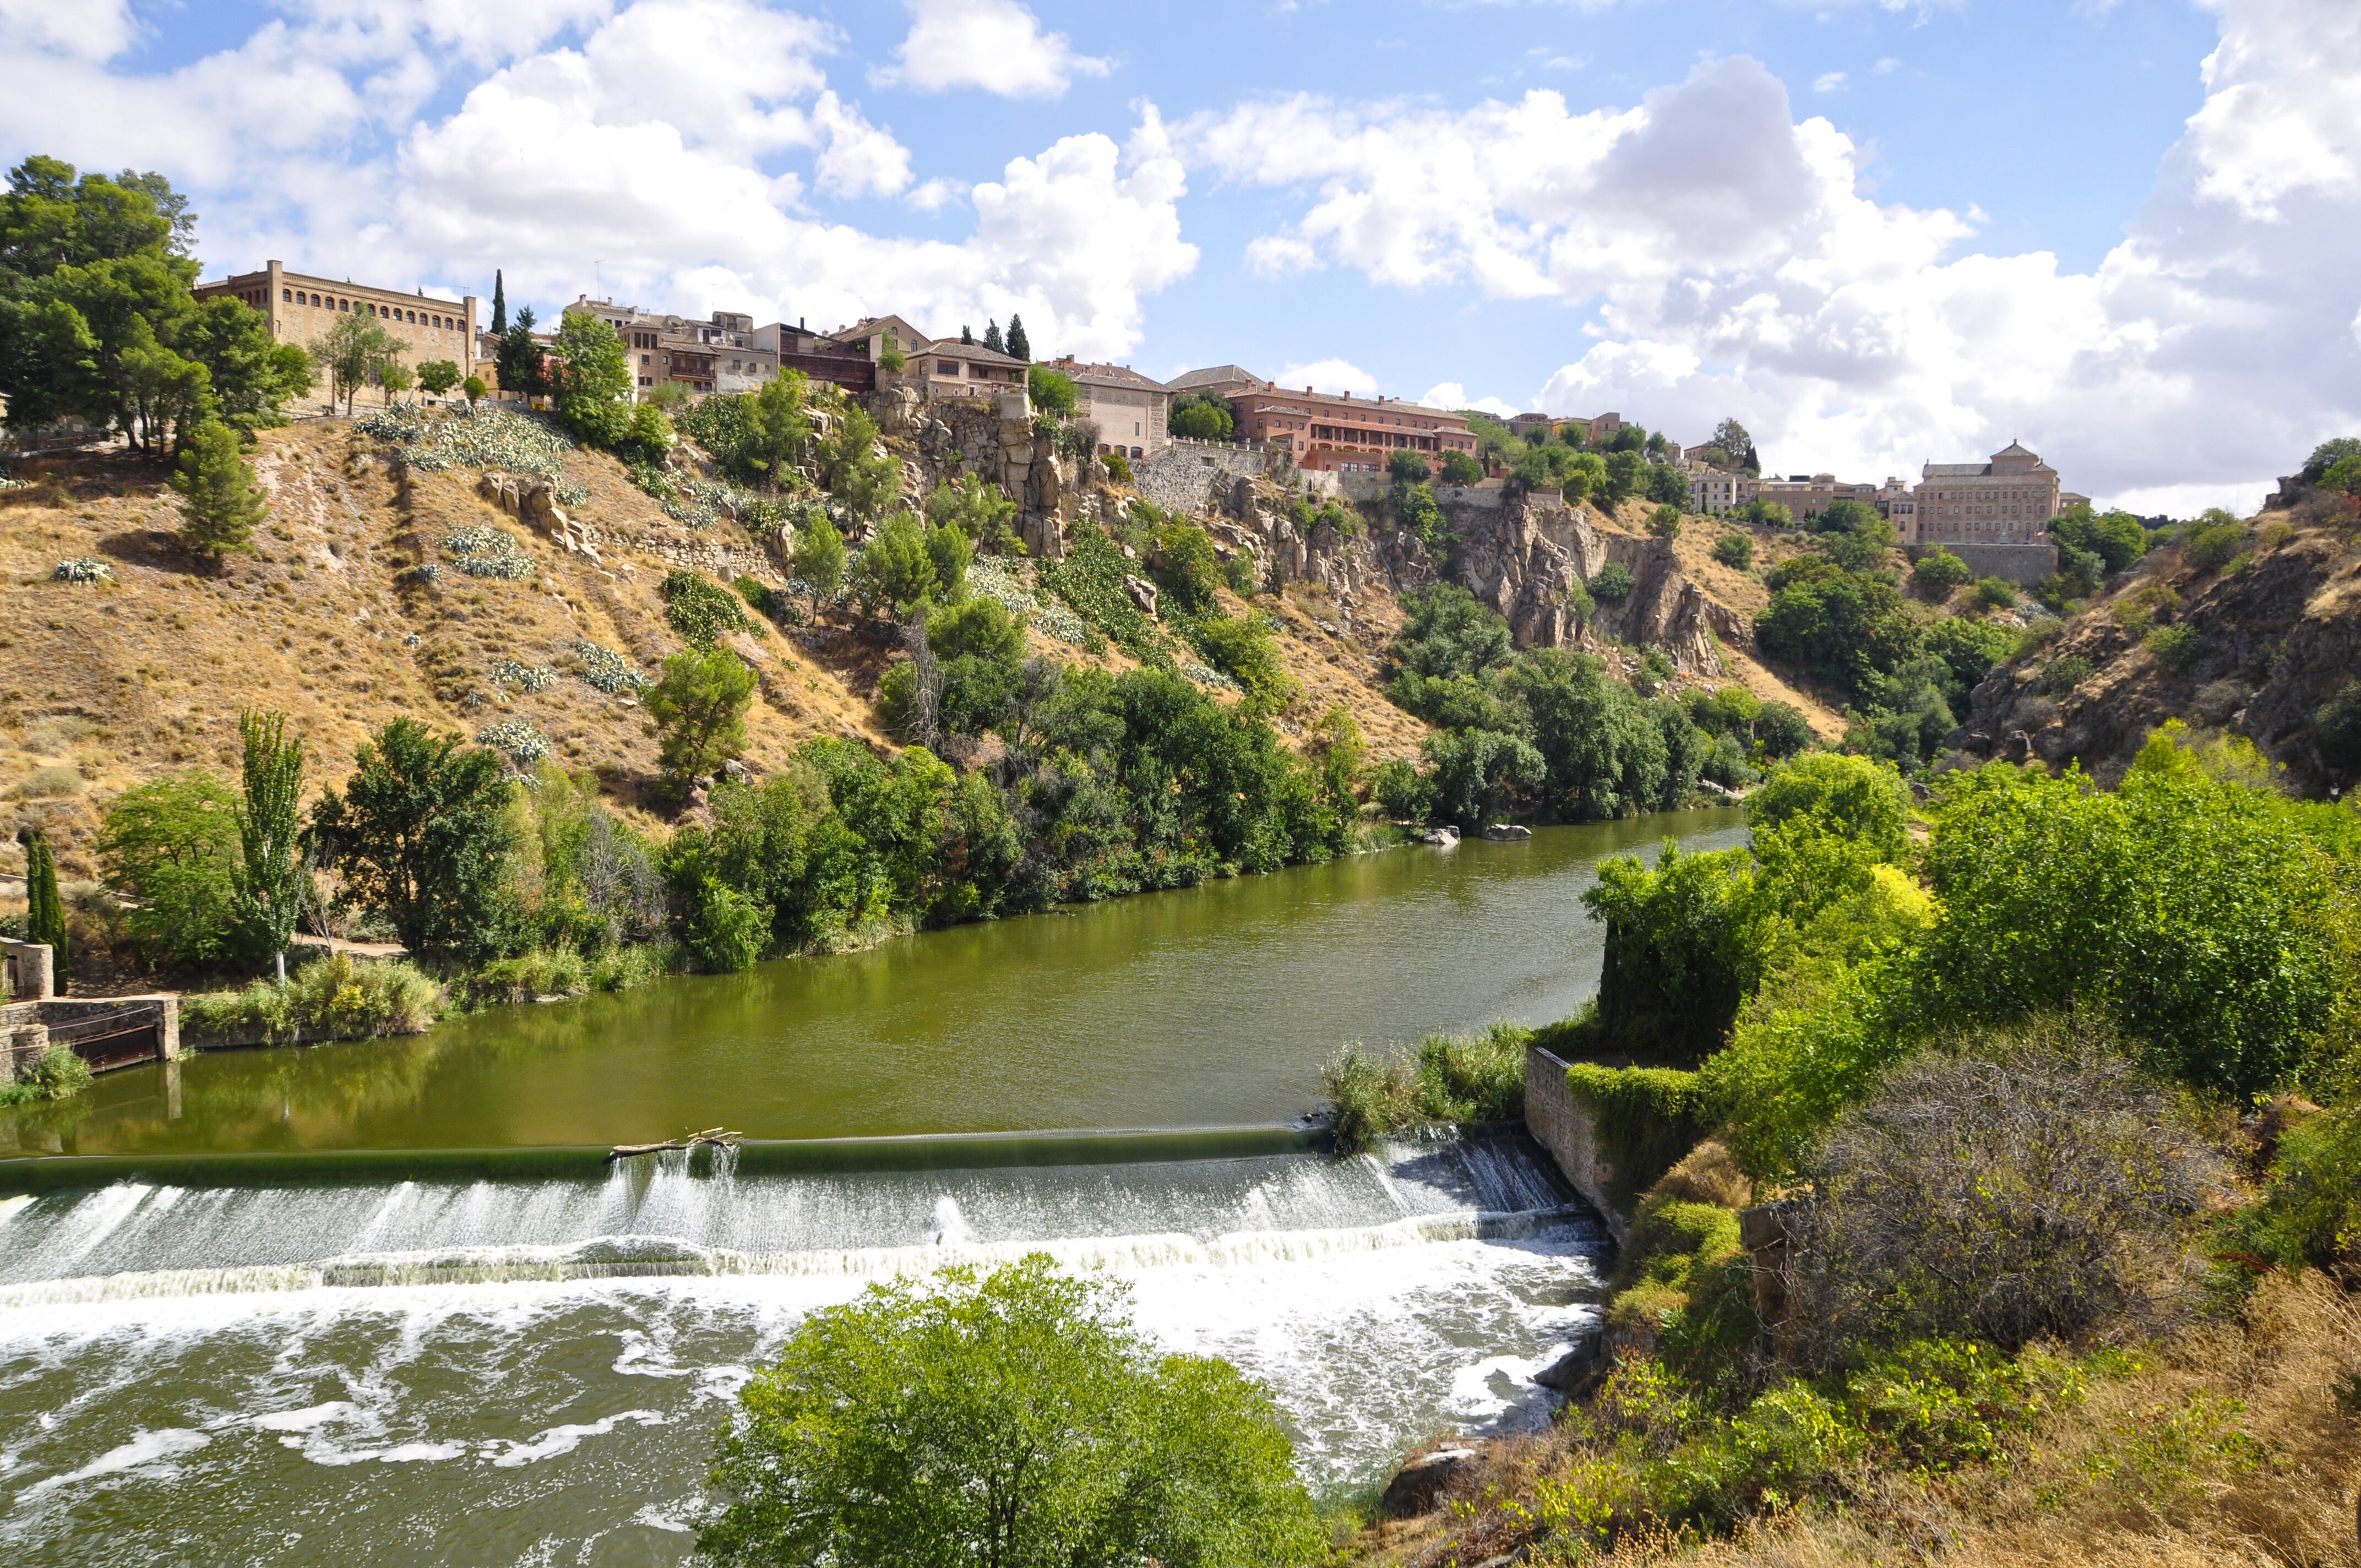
[2008, 500]
[301, 308]
[1331, 432]
[1129, 409]
[718, 355]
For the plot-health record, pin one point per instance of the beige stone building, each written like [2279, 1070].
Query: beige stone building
[2008, 500]
[301, 308]
[721, 354]
[1130, 409]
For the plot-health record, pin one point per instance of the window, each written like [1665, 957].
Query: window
[285, 295]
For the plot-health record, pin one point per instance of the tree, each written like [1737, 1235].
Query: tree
[696, 711]
[1736, 446]
[1014, 1418]
[393, 377]
[171, 845]
[1052, 391]
[895, 572]
[421, 833]
[1408, 468]
[1020, 346]
[819, 557]
[220, 503]
[353, 350]
[272, 874]
[992, 338]
[891, 359]
[967, 335]
[500, 303]
[593, 383]
[437, 376]
[1664, 521]
[1200, 417]
[1938, 572]
[518, 361]
[977, 508]
[1459, 469]
[474, 389]
[1735, 551]
[45, 914]
[249, 372]
[774, 434]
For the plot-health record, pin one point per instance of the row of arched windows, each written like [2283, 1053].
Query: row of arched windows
[302, 297]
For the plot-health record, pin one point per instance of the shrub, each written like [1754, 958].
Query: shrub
[1664, 521]
[1052, 391]
[1938, 572]
[1402, 796]
[1242, 648]
[2336, 729]
[1186, 566]
[2038, 1188]
[1645, 1120]
[726, 930]
[2062, 675]
[1685, 945]
[701, 609]
[1993, 593]
[1612, 584]
[1009, 1417]
[1459, 469]
[1090, 579]
[485, 552]
[1445, 1080]
[336, 997]
[1238, 571]
[2174, 648]
[1408, 468]
[2313, 1215]
[2212, 541]
[1735, 551]
[56, 1074]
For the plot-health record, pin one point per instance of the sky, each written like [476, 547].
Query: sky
[1879, 232]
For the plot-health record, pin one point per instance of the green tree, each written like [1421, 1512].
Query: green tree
[437, 376]
[1186, 566]
[1666, 486]
[394, 376]
[1938, 572]
[171, 845]
[1735, 551]
[1860, 544]
[474, 389]
[1459, 469]
[1408, 468]
[977, 508]
[778, 435]
[45, 912]
[1730, 447]
[500, 303]
[249, 372]
[1664, 521]
[895, 572]
[1014, 1419]
[820, 555]
[353, 350]
[1200, 416]
[856, 468]
[890, 357]
[992, 338]
[1052, 391]
[696, 711]
[421, 832]
[593, 382]
[518, 360]
[1686, 943]
[220, 502]
[273, 872]
[1019, 346]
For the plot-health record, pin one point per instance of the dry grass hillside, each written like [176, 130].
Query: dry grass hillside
[105, 684]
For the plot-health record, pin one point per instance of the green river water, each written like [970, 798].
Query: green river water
[267, 1331]
[1210, 1006]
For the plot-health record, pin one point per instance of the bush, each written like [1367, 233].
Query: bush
[1445, 1080]
[1052, 391]
[1781, 730]
[1938, 572]
[1009, 1417]
[1993, 593]
[172, 845]
[1118, 468]
[2336, 729]
[701, 609]
[1735, 551]
[2212, 541]
[2062, 675]
[2174, 648]
[1685, 945]
[2313, 1215]
[1242, 648]
[696, 711]
[1459, 469]
[337, 997]
[56, 1074]
[1402, 796]
[1664, 521]
[1186, 566]
[1612, 584]
[2038, 1188]
[1645, 1119]
[1408, 468]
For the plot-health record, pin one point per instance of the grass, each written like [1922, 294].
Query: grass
[564, 971]
[1444, 1080]
[56, 1074]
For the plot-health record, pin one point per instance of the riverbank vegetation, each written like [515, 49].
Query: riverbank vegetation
[1444, 1080]
[2044, 1097]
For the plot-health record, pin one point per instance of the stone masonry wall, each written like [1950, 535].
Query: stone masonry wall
[1190, 476]
[2024, 564]
[1562, 1126]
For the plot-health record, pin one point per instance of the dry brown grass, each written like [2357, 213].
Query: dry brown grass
[103, 688]
[2225, 1448]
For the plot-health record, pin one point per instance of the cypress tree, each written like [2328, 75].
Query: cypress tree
[268, 881]
[992, 337]
[1018, 348]
[45, 914]
[967, 338]
[219, 502]
[499, 304]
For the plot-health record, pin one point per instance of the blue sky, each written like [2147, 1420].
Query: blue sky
[1881, 233]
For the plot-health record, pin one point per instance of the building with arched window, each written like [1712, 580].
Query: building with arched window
[301, 308]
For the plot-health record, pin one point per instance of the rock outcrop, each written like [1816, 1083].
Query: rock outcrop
[943, 439]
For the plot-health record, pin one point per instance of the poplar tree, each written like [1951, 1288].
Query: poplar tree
[1018, 346]
[220, 502]
[268, 884]
[992, 339]
[45, 914]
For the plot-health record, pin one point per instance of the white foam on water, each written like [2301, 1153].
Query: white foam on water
[9, 1206]
[150, 1452]
[566, 1439]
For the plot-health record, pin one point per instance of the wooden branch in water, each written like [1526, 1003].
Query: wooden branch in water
[718, 1137]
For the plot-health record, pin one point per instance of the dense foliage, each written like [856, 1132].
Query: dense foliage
[1013, 1418]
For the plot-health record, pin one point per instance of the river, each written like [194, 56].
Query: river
[262, 1350]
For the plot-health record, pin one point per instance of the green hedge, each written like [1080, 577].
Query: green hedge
[1645, 1119]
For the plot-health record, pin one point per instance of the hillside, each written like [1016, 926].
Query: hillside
[105, 684]
[2247, 633]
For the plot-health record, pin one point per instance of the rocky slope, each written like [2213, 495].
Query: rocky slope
[2270, 636]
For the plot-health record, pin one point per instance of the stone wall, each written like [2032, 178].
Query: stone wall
[1560, 1124]
[947, 437]
[29, 969]
[2024, 564]
[1189, 477]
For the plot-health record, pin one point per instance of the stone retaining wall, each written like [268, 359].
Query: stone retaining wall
[1559, 1124]
[2024, 564]
[1190, 475]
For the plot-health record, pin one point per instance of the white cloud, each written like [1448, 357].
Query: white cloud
[1327, 376]
[859, 159]
[1451, 395]
[1729, 261]
[1828, 81]
[83, 29]
[1888, 66]
[996, 44]
[934, 195]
